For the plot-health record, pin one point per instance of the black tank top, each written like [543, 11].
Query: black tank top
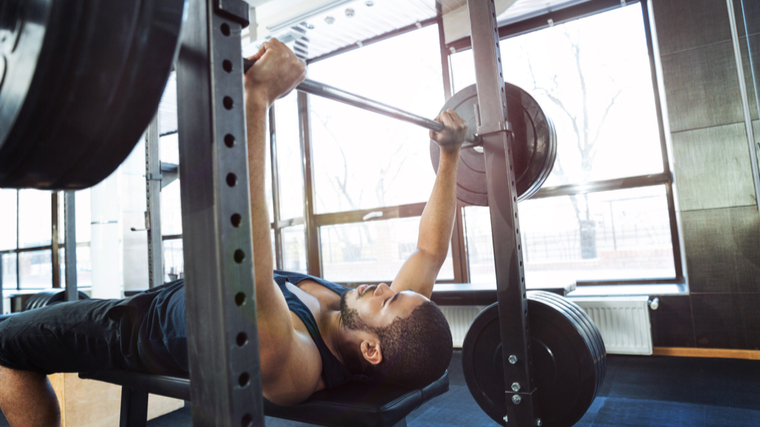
[162, 337]
[333, 371]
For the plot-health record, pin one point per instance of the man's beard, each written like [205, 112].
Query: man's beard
[349, 316]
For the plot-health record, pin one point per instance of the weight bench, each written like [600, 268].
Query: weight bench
[350, 405]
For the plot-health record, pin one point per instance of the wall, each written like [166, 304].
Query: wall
[716, 194]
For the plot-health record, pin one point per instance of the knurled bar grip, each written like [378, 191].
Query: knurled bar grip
[330, 92]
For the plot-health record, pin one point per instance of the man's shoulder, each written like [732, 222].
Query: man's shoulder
[291, 376]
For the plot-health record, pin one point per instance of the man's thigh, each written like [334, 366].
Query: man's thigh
[68, 337]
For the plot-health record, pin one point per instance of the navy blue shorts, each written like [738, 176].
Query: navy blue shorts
[80, 336]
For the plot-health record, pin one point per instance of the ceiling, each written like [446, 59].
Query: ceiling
[313, 28]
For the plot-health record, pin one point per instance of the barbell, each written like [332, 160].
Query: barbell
[534, 138]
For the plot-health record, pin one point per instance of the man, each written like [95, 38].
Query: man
[313, 334]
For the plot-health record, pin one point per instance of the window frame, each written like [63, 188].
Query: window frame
[313, 222]
[55, 247]
[665, 178]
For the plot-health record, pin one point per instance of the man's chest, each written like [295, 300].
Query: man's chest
[319, 300]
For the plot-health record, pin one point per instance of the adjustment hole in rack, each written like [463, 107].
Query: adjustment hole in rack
[247, 420]
[239, 256]
[231, 179]
[244, 379]
[228, 102]
[227, 65]
[236, 219]
[240, 299]
[226, 29]
[241, 339]
[229, 140]
[517, 231]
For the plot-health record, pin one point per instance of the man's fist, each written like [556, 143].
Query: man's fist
[275, 73]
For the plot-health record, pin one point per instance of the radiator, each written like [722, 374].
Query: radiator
[460, 317]
[622, 321]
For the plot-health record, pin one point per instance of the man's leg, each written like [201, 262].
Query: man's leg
[27, 399]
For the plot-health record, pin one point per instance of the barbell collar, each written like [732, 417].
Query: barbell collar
[490, 128]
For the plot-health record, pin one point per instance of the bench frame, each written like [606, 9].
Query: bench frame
[350, 405]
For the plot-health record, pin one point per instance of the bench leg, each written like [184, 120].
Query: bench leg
[401, 423]
[134, 408]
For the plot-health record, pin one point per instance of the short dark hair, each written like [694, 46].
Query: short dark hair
[416, 350]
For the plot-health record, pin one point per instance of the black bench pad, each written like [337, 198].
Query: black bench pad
[355, 405]
[5, 316]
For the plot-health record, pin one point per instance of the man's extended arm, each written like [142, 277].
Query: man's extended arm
[421, 269]
[276, 72]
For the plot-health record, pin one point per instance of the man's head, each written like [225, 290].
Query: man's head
[410, 341]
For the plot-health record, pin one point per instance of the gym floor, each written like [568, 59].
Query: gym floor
[637, 392]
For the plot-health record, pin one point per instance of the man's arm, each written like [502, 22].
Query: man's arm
[419, 271]
[276, 72]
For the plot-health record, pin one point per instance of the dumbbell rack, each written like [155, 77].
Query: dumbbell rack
[496, 135]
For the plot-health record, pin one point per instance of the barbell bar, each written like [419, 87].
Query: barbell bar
[325, 91]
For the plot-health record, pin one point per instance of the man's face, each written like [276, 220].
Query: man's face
[377, 306]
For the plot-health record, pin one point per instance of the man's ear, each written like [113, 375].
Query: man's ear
[371, 351]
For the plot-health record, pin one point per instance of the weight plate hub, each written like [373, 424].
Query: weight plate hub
[82, 80]
[564, 367]
[534, 145]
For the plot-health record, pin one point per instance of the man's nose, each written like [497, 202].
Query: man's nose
[382, 289]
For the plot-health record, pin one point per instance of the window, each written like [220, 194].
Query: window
[367, 166]
[171, 206]
[284, 151]
[28, 253]
[363, 160]
[374, 250]
[593, 78]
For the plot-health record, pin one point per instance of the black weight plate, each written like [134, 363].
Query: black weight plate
[534, 146]
[36, 300]
[563, 366]
[60, 296]
[30, 302]
[579, 318]
[596, 335]
[47, 298]
[96, 83]
[591, 342]
[594, 331]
